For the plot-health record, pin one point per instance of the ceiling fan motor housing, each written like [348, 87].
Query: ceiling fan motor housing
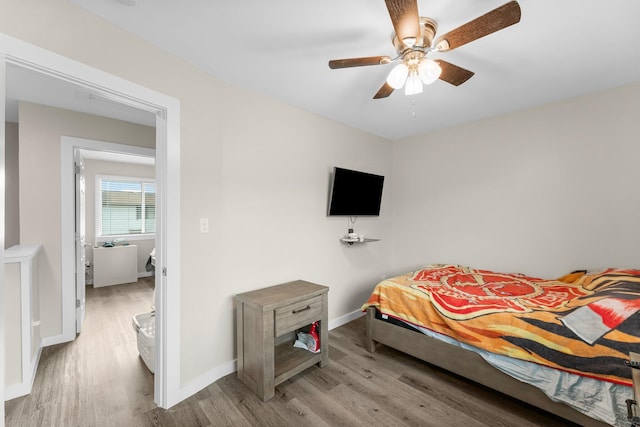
[428, 29]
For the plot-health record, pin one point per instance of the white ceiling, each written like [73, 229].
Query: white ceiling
[560, 49]
[31, 86]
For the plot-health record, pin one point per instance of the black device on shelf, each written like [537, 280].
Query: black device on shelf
[355, 193]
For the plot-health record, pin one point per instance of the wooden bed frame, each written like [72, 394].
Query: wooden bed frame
[468, 364]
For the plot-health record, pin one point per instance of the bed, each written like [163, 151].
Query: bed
[558, 344]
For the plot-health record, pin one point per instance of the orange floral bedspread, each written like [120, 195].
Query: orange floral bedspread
[584, 323]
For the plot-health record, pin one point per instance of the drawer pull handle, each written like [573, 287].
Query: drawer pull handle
[301, 310]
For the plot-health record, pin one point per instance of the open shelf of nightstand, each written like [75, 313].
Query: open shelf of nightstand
[290, 361]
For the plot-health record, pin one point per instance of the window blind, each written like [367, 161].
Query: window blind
[127, 207]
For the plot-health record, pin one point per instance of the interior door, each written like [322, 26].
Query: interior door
[80, 240]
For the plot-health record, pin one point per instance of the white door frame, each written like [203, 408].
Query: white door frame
[2, 213]
[167, 109]
[80, 237]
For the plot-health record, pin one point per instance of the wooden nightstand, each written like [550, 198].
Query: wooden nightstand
[267, 321]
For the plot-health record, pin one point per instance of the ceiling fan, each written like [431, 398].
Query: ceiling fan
[413, 40]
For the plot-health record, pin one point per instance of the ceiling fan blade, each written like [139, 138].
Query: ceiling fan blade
[384, 91]
[453, 74]
[358, 62]
[502, 17]
[405, 19]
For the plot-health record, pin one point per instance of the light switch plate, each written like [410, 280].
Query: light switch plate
[204, 225]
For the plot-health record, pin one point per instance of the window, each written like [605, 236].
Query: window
[125, 206]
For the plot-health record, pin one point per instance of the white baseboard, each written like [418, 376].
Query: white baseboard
[342, 320]
[207, 379]
[56, 339]
[25, 387]
[144, 274]
[16, 390]
[34, 366]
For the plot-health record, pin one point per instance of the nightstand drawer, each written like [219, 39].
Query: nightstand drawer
[293, 316]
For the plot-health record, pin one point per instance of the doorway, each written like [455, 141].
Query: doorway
[74, 150]
[166, 110]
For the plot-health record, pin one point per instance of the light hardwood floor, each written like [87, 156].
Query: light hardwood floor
[99, 380]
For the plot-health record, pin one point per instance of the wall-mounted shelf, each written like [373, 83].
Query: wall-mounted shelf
[350, 242]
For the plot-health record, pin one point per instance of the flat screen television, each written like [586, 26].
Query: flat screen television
[355, 193]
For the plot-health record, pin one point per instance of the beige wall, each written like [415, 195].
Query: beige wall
[41, 129]
[12, 200]
[98, 167]
[258, 169]
[543, 191]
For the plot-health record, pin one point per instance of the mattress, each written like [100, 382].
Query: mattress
[567, 336]
[601, 400]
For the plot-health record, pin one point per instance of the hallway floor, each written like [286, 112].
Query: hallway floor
[98, 379]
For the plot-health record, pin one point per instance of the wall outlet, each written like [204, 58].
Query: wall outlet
[204, 225]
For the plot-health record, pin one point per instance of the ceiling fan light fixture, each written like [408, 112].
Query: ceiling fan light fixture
[429, 71]
[413, 85]
[398, 76]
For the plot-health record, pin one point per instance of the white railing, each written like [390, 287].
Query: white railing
[23, 342]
